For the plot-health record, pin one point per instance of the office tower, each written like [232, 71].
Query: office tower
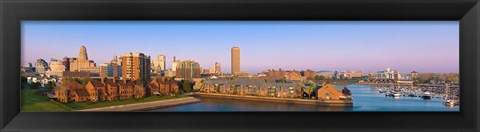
[158, 64]
[82, 62]
[235, 60]
[218, 70]
[188, 69]
[174, 64]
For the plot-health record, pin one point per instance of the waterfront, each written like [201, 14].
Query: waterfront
[365, 99]
[146, 105]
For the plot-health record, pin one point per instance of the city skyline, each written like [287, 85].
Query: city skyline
[287, 45]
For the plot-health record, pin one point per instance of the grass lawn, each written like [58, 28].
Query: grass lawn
[87, 105]
[32, 102]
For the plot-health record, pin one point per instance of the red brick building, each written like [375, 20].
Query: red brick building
[276, 74]
[139, 90]
[104, 90]
[111, 89]
[309, 74]
[164, 86]
[125, 89]
[328, 92]
[71, 91]
[97, 90]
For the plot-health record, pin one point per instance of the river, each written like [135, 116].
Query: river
[364, 99]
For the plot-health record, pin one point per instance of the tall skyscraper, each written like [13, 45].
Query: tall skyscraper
[82, 62]
[82, 55]
[175, 64]
[135, 66]
[158, 64]
[218, 70]
[235, 60]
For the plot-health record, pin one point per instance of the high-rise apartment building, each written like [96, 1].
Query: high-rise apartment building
[135, 66]
[235, 60]
[158, 64]
[188, 69]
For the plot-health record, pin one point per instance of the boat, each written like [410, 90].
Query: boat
[426, 95]
[396, 95]
[380, 91]
[389, 94]
[451, 102]
[412, 95]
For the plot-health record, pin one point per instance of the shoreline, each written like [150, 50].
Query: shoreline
[336, 103]
[146, 105]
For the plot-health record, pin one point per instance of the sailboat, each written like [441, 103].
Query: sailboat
[448, 100]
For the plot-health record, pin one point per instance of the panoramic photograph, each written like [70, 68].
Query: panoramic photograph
[237, 66]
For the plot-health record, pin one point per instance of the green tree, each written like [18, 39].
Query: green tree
[85, 81]
[186, 86]
[50, 85]
[35, 85]
[198, 85]
[308, 89]
[66, 80]
[24, 81]
[310, 78]
[78, 80]
[319, 77]
[346, 91]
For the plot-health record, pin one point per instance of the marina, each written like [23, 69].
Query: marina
[447, 92]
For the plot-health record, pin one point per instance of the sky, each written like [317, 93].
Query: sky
[424, 46]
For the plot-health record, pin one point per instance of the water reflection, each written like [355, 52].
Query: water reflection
[365, 99]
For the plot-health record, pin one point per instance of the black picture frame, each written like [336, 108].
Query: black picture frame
[14, 11]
